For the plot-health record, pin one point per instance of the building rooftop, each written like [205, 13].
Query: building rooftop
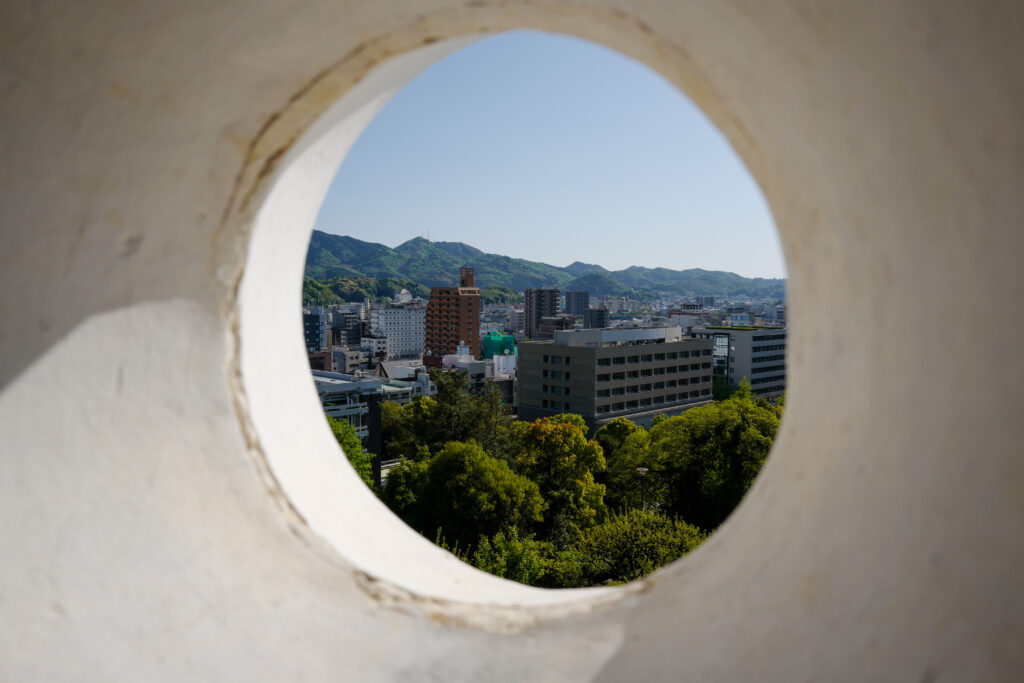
[617, 336]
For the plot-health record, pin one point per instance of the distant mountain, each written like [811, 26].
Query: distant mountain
[598, 284]
[437, 264]
[578, 268]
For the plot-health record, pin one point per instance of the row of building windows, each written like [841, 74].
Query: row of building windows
[557, 374]
[763, 380]
[770, 347]
[654, 386]
[650, 402]
[557, 405]
[651, 372]
[770, 368]
[768, 337]
[768, 359]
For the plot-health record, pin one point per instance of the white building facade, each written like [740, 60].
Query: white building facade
[403, 325]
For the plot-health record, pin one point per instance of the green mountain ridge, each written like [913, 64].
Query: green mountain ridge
[436, 264]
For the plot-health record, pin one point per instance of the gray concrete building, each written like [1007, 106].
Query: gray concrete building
[538, 304]
[757, 354]
[577, 303]
[608, 373]
[595, 318]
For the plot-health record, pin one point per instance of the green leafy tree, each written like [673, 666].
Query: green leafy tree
[633, 543]
[462, 416]
[611, 435]
[352, 447]
[403, 493]
[708, 457]
[465, 493]
[556, 454]
[626, 487]
[510, 557]
[721, 389]
[409, 431]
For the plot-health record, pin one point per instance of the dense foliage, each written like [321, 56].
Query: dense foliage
[342, 289]
[543, 504]
[352, 447]
[437, 264]
[499, 294]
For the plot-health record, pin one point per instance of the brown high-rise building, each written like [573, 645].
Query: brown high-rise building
[453, 318]
[539, 303]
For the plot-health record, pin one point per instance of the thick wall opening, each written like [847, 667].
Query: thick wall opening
[301, 452]
[551, 149]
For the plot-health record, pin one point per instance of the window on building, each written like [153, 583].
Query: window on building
[633, 359]
[604, 378]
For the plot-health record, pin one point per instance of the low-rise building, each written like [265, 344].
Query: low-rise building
[603, 374]
[757, 354]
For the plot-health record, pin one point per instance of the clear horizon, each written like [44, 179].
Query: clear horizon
[551, 149]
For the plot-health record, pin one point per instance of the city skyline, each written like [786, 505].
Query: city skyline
[551, 148]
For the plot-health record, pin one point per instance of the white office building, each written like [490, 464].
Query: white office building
[404, 327]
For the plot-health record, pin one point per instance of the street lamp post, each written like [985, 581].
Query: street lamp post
[642, 471]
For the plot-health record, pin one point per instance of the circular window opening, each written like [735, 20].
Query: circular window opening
[523, 319]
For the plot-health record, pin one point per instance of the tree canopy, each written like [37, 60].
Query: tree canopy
[541, 503]
[352, 447]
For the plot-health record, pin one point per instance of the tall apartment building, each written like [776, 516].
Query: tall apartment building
[404, 327]
[577, 303]
[314, 323]
[539, 303]
[595, 318]
[452, 318]
[347, 328]
[610, 373]
[757, 354]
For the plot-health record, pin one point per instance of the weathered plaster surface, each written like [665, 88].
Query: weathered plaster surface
[172, 506]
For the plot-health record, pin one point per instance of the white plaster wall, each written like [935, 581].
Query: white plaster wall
[157, 523]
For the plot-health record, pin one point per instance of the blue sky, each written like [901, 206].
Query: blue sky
[554, 149]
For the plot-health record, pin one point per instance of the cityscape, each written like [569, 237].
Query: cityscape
[436, 394]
